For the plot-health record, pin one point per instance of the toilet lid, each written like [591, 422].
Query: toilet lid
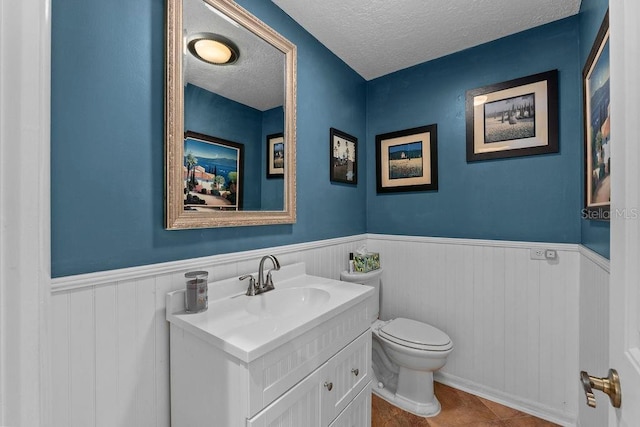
[414, 334]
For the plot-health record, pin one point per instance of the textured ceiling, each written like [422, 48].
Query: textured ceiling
[378, 37]
[256, 79]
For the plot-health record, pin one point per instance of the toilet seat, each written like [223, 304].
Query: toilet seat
[416, 335]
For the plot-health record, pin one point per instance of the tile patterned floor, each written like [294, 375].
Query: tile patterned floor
[458, 409]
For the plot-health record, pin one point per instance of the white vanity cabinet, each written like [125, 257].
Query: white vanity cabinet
[327, 393]
[358, 413]
[348, 372]
[229, 369]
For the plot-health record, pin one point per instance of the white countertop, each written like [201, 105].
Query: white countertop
[230, 327]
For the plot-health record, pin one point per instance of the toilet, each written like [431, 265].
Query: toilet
[405, 355]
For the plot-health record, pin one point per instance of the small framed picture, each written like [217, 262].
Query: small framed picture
[343, 159]
[407, 160]
[275, 155]
[212, 173]
[514, 118]
[597, 127]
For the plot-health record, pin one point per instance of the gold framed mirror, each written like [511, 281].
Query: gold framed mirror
[223, 105]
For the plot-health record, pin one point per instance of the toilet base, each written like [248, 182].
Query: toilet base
[420, 409]
[389, 378]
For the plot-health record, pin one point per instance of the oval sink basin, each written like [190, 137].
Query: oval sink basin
[285, 302]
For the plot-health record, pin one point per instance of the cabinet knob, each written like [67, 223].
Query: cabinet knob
[355, 371]
[328, 385]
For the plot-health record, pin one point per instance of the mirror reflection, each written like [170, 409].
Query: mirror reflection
[234, 95]
[230, 119]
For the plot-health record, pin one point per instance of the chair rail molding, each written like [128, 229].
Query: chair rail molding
[67, 283]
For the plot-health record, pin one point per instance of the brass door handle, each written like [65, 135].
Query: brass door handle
[609, 385]
[586, 384]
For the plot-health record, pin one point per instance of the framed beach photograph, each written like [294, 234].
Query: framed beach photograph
[513, 118]
[343, 163]
[275, 155]
[597, 126]
[212, 173]
[407, 160]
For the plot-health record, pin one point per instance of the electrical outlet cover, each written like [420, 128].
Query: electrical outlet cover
[538, 253]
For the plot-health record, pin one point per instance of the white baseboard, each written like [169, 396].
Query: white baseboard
[526, 406]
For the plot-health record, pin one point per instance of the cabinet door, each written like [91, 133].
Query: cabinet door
[300, 406]
[358, 413]
[348, 372]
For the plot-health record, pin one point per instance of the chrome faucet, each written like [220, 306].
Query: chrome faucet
[262, 284]
[265, 285]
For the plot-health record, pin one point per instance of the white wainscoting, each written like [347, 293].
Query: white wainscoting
[111, 340]
[594, 333]
[514, 322]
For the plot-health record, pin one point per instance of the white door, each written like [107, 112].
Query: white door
[625, 220]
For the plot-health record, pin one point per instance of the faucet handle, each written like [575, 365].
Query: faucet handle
[251, 290]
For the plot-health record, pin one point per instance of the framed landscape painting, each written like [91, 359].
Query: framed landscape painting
[275, 155]
[514, 118]
[212, 173]
[343, 164]
[407, 160]
[597, 127]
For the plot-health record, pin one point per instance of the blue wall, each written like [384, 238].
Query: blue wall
[535, 198]
[107, 141]
[217, 116]
[595, 234]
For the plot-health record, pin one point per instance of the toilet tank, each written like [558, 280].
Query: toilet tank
[372, 279]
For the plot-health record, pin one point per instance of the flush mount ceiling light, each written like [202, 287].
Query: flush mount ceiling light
[213, 49]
